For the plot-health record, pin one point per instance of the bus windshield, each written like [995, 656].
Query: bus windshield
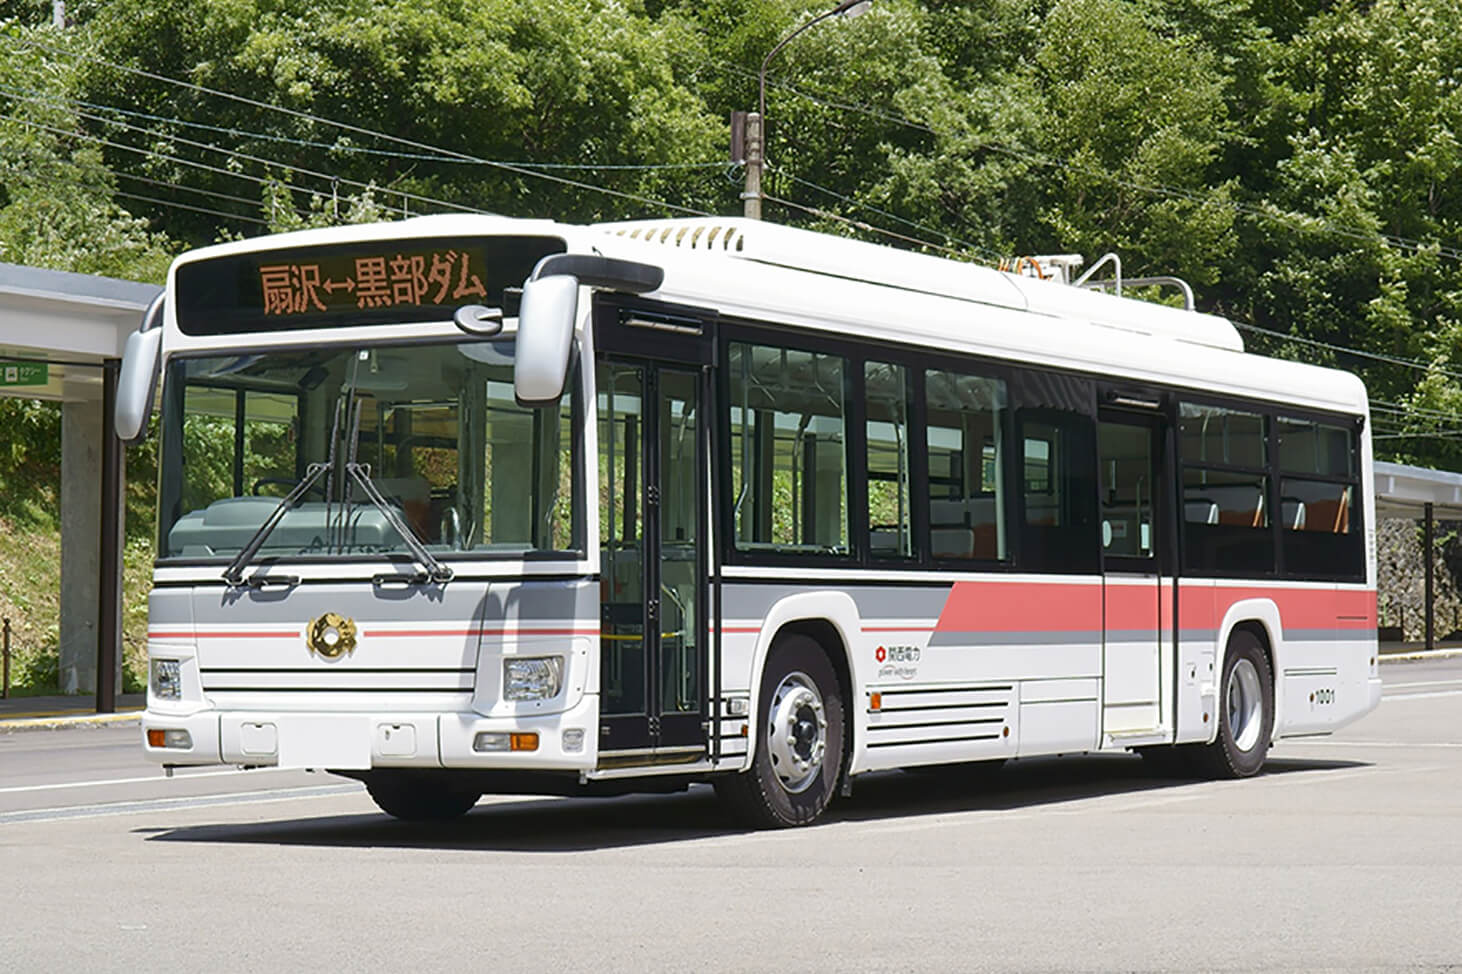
[434, 428]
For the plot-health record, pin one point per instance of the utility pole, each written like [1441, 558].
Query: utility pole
[755, 153]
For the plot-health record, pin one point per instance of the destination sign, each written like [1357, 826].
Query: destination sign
[384, 280]
[379, 282]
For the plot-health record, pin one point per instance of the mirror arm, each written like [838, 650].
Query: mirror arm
[605, 272]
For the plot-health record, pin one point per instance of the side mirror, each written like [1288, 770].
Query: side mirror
[137, 382]
[545, 338]
[548, 310]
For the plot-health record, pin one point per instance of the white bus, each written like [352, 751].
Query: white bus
[465, 505]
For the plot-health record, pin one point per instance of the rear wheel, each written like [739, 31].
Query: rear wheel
[420, 800]
[799, 745]
[1245, 712]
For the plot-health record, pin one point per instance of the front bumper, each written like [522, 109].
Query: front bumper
[361, 741]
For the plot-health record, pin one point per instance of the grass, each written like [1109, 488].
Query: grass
[30, 597]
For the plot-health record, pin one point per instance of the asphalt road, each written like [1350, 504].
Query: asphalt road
[1345, 854]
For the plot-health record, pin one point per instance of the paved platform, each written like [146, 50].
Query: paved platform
[23, 713]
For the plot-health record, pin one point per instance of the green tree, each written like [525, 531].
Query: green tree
[57, 195]
[591, 85]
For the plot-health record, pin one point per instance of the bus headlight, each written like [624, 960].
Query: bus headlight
[167, 679]
[532, 678]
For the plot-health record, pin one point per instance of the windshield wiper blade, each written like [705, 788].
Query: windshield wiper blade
[234, 573]
[432, 569]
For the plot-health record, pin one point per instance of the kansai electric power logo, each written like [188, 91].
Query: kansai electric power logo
[897, 654]
[897, 661]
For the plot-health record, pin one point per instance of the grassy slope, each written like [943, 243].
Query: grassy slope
[30, 596]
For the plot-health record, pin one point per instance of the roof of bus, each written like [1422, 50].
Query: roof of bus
[821, 282]
[847, 287]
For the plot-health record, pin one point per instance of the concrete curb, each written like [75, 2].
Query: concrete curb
[1420, 654]
[59, 721]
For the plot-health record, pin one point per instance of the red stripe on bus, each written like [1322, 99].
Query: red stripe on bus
[898, 628]
[1204, 607]
[1132, 608]
[249, 635]
[999, 606]
[1021, 607]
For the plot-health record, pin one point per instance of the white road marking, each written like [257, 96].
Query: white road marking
[130, 781]
[1424, 683]
[1421, 696]
[172, 804]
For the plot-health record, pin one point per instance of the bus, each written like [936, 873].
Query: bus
[465, 504]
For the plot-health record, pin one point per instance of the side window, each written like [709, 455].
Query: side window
[1059, 492]
[1056, 427]
[789, 482]
[1318, 490]
[886, 397]
[1226, 513]
[964, 434]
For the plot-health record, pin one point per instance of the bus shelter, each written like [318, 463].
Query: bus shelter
[1421, 494]
[61, 339]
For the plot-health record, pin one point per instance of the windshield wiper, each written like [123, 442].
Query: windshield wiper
[432, 569]
[234, 573]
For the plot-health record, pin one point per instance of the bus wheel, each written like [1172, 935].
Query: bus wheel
[418, 800]
[799, 746]
[1245, 712]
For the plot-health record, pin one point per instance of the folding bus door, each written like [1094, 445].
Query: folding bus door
[1135, 506]
[654, 482]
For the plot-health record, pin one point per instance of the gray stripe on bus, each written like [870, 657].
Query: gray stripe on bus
[754, 600]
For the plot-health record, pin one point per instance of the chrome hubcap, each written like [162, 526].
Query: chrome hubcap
[797, 732]
[1245, 702]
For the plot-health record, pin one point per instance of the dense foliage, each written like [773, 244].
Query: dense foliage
[1295, 160]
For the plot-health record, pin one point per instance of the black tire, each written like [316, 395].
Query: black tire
[792, 783]
[420, 800]
[1245, 712]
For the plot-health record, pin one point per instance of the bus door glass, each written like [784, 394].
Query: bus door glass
[653, 463]
[1133, 534]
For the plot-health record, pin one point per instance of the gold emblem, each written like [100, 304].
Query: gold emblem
[332, 636]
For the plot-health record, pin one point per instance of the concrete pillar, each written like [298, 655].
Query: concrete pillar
[81, 497]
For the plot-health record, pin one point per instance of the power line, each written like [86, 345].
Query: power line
[359, 130]
[1345, 350]
[1297, 222]
[867, 227]
[66, 180]
[974, 248]
[152, 153]
[234, 154]
[1438, 435]
[61, 100]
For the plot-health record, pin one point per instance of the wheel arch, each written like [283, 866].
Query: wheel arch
[1261, 618]
[829, 618]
